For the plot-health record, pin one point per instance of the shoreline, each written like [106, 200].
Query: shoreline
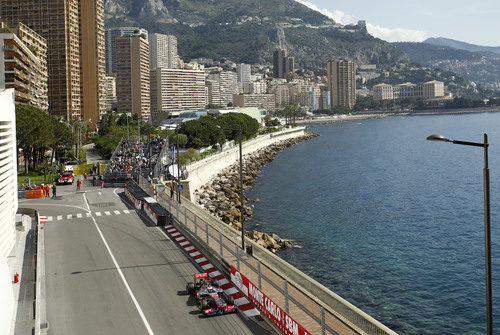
[388, 113]
[221, 196]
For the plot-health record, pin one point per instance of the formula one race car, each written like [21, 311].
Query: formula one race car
[212, 299]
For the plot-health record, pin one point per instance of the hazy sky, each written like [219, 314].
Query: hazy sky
[475, 22]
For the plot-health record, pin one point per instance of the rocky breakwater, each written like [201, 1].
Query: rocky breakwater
[221, 197]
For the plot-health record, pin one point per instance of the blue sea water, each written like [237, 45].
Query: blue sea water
[389, 221]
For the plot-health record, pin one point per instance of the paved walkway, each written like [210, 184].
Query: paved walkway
[22, 261]
[93, 155]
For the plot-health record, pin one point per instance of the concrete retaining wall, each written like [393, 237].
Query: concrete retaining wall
[201, 172]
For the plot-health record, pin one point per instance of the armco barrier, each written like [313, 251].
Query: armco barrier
[312, 305]
[136, 195]
[155, 212]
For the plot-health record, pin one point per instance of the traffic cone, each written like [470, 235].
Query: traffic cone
[16, 278]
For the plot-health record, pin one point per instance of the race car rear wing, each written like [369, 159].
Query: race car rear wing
[201, 275]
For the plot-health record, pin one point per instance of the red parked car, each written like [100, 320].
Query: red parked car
[66, 178]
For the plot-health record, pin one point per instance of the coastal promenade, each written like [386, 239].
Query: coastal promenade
[201, 172]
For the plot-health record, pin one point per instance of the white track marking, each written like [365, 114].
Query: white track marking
[50, 218]
[79, 215]
[59, 217]
[69, 216]
[126, 211]
[116, 212]
[98, 213]
[107, 213]
[89, 214]
[139, 309]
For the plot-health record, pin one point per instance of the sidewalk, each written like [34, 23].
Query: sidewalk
[22, 261]
[93, 155]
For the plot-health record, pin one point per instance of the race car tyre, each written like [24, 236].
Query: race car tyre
[190, 288]
[230, 300]
[215, 283]
[204, 304]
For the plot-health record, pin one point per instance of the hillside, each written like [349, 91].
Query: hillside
[447, 42]
[247, 31]
[480, 67]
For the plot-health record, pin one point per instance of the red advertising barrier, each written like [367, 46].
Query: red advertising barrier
[150, 213]
[275, 313]
[137, 203]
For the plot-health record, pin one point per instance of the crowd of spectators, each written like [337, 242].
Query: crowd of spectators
[133, 157]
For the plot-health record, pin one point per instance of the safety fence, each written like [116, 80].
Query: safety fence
[313, 306]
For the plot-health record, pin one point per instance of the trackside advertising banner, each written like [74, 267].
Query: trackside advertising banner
[277, 315]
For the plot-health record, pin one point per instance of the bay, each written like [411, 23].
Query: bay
[389, 221]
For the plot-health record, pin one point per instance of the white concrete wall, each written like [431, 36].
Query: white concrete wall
[8, 204]
[6, 298]
[201, 172]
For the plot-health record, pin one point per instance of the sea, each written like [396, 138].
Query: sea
[391, 222]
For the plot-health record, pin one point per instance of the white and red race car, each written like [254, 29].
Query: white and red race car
[211, 298]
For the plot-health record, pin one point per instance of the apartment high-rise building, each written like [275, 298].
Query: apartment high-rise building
[433, 89]
[110, 36]
[383, 91]
[244, 72]
[284, 65]
[110, 92]
[92, 60]
[58, 23]
[23, 65]
[133, 75]
[228, 81]
[264, 101]
[342, 83]
[213, 92]
[255, 87]
[162, 51]
[177, 89]
[282, 95]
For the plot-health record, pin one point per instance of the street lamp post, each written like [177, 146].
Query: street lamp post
[240, 136]
[178, 164]
[487, 228]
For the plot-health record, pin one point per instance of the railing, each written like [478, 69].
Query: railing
[315, 307]
[159, 166]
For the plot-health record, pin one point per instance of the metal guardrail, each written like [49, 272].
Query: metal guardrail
[315, 307]
[159, 167]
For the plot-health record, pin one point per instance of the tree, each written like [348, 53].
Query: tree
[34, 134]
[180, 139]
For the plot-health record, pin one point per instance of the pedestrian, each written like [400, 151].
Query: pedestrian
[78, 184]
[47, 191]
[85, 175]
[54, 187]
[171, 190]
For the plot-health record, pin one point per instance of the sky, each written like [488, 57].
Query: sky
[476, 22]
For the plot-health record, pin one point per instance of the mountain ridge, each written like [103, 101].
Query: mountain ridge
[247, 31]
[482, 68]
[448, 42]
